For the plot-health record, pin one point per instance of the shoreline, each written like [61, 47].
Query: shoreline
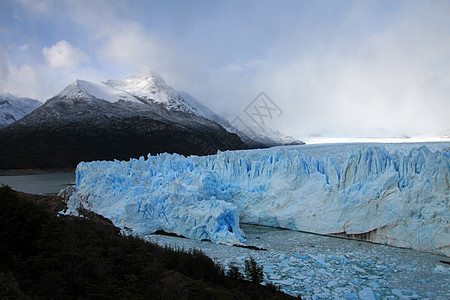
[19, 172]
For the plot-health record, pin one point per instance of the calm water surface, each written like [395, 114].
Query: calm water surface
[41, 184]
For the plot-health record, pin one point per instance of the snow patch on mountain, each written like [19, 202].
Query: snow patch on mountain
[149, 86]
[150, 89]
[391, 194]
[89, 90]
[14, 108]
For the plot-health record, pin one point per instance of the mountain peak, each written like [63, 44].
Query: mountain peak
[148, 84]
[7, 95]
[72, 90]
[149, 75]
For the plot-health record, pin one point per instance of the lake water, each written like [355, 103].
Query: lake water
[41, 184]
[322, 267]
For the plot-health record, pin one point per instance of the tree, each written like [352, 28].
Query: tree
[253, 271]
[233, 272]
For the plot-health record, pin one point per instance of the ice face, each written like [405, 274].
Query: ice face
[390, 194]
[137, 195]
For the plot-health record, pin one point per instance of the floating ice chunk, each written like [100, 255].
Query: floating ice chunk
[432, 295]
[441, 269]
[284, 282]
[341, 289]
[268, 265]
[283, 257]
[299, 256]
[332, 283]
[350, 296]
[322, 295]
[367, 294]
[323, 264]
[358, 269]
[292, 259]
[405, 294]
[320, 257]
[299, 277]
[424, 281]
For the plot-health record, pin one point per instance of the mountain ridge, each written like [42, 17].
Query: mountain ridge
[115, 119]
[92, 121]
[13, 108]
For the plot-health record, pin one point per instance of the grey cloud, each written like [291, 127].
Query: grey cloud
[343, 69]
[4, 69]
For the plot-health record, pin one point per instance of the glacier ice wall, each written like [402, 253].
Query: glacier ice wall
[140, 196]
[391, 194]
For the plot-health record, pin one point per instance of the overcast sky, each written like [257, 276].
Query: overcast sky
[335, 68]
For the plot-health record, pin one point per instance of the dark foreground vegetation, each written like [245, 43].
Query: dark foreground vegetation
[43, 256]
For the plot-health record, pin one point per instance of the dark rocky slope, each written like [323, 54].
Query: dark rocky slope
[65, 131]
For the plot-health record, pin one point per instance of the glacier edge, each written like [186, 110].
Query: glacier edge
[392, 195]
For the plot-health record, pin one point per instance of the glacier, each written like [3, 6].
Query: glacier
[394, 194]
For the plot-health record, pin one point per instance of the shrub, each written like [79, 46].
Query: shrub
[43, 256]
[233, 272]
[253, 271]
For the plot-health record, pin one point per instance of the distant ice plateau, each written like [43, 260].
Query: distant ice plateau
[394, 194]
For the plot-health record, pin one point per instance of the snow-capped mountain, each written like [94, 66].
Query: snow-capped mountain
[14, 108]
[118, 119]
[92, 90]
[109, 120]
[150, 88]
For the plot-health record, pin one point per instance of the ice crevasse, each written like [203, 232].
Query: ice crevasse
[390, 194]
